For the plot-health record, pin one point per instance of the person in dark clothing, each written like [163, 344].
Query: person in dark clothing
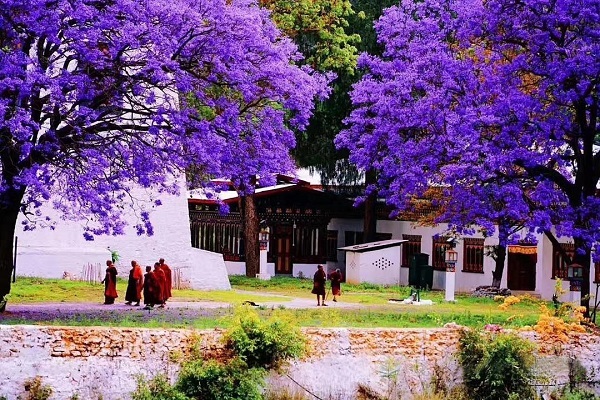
[150, 288]
[110, 283]
[336, 283]
[319, 280]
[135, 284]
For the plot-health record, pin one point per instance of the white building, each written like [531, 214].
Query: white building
[52, 253]
[308, 226]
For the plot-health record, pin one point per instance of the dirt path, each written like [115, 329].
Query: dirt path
[175, 311]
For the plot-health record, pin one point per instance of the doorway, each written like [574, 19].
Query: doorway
[522, 261]
[283, 250]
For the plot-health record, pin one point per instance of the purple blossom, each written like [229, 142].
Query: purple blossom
[493, 102]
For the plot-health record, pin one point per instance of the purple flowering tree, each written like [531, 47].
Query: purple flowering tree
[99, 97]
[475, 93]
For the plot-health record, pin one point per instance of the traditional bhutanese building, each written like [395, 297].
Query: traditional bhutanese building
[309, 225]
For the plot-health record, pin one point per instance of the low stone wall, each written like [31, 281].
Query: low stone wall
[103, 363]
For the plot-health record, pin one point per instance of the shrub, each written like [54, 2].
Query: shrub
[496, 366]
[576, 394]
[36, 390]
[212, 380]
[264, 344]
[158, 388]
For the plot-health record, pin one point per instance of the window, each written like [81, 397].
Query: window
[382, 236]
[225, 238]
[473, 255]
[438, 260]
[351, 238]
[597, 272]
[413, 246]
[332, 245]
[309, 244]
[559, 263]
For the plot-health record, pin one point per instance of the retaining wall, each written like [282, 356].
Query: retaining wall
[98, 362]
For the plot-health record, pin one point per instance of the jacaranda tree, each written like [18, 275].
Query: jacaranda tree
[474, 93]
[99, 97]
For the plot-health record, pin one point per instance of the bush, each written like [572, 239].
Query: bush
[36, 390]
[577, 394]
[212, 380]
[264, 344]
[158, 388]
[496, 366]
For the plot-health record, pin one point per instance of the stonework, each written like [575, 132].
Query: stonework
[95, 361]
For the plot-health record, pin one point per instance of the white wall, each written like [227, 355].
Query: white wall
[50, 253]
[378, 266]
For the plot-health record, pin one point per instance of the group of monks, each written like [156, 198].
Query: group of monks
[155, 284]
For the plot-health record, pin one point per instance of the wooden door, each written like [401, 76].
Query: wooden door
[521, 271]
[283, 251]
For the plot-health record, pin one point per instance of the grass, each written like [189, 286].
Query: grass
[29, 290]
[373, 309]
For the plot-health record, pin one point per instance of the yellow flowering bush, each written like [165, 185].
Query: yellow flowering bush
[509, 301]
[554, 329]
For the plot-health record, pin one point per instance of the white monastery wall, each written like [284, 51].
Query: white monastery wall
[95, 361]
[49, 253]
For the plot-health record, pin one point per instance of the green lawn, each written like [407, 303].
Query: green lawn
[37, 290]
[371, 301]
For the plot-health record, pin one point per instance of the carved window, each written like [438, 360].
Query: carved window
[473, 255]
[309, 244]
[224, 238]
[559, 263]
[352, 237]
[332, 245]
[438, 252]
[413, 246]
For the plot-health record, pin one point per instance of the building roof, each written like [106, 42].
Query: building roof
[231, 196]
[382, 244]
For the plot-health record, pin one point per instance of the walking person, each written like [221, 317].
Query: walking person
[160, 278]
[336, 283]
[135, 284]
[168, 279]
[110, 283]
[150, 288]
[319, 280]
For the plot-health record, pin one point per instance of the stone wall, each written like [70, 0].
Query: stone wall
[104, 362]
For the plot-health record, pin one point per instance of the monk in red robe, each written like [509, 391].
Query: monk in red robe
[110, 283]
[150, 288]
[135, 284]
[159, 275]
[319, 280]
[168, 278]
[336, 283]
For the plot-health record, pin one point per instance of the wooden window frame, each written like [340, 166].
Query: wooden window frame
[438, 252]
[332, 246]
[473, 255]
[413, 246]
[559, 265]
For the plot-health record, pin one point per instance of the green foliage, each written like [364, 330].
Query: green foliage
[158, 388]
[318, 28]
[264, 343]
[212, 380]
[496, 367]
[36, 390]
[575, 394]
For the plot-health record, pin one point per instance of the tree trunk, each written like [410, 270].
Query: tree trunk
[251, 223]
[8, 220]
[499, 270]
[370, 217]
